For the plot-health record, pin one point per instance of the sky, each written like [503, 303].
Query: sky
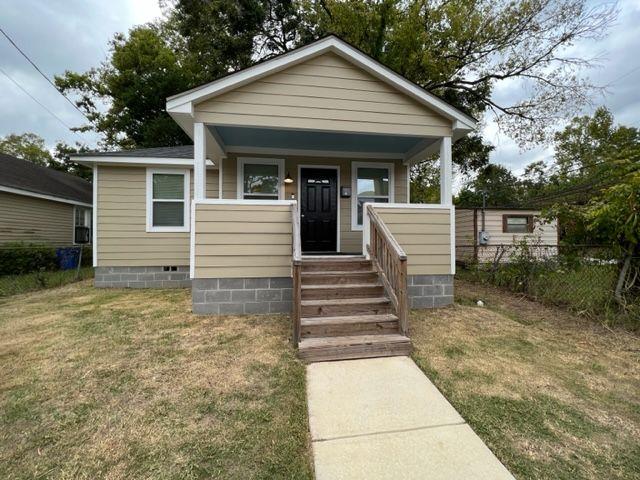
[73, 35]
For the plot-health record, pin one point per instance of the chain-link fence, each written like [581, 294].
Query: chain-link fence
[26, 267]
[589, 280]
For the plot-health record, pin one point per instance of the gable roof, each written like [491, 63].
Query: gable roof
[183, 103]
[19, 176]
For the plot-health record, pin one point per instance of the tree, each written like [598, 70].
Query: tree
[31, 147]
[142, 71]
[458, 50]
[501, 187]
[425, 182]
[27, 146]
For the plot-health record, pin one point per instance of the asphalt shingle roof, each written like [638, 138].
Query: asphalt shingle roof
[24, 175]
[183, 151]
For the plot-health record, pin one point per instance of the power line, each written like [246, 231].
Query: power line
[42, 73]
[36, 100]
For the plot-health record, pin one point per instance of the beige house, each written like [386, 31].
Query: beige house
[293, 199]
[41, 205]
[491, 234]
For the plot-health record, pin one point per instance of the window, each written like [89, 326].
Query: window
[517, 224]
[82, 218]
[167, 200]
[260, 178]
[373, 183]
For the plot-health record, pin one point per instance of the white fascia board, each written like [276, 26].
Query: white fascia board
[183, 103]
[27, 193]
[137, 161]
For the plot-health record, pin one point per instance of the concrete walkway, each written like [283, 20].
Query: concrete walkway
[382, 418]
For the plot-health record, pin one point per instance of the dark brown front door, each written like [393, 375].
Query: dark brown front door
[318, 209]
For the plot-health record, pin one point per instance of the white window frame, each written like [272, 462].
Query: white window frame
[354, 188]
[186, 227]
[88, 220]
[242, 161]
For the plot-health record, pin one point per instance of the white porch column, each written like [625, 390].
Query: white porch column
[446, 172]
[199, 162]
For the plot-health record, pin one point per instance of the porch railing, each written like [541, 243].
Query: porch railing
[390, 260]
[296, 272]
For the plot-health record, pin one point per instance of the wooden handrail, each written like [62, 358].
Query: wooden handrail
[390, 260]
[296, 272]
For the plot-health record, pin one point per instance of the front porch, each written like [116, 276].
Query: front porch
[312, 152]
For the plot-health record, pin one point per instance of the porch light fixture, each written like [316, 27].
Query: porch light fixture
[288, 178]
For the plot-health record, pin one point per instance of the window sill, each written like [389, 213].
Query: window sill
[168, 230]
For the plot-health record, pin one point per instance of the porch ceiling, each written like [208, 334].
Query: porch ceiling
[234, 138]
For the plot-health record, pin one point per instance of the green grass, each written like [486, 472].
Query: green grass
[128, 384]
[29, 282]
[552, 394]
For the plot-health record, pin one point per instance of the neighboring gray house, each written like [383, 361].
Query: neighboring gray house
[42, 205]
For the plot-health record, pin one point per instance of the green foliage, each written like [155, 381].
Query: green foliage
[425, 182]
[20, 257]
[501, 187]
[31, 147]
[142, 72]
[457, 50]
[27, 146]
[29, 282]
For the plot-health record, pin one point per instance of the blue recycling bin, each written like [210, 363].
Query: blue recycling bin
[68, 257]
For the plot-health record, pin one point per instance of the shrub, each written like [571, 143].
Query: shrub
[20, 257]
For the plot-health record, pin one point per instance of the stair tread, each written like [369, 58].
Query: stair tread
[338, 272]
[341, 285]
[347, 319]
[309, 343]
[334, 259]
[344, 301]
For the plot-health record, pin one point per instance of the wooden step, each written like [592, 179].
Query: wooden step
[352, 290]
[345, 306]
[349, 325]
[353, 346]
[339, 277]
[336, 265]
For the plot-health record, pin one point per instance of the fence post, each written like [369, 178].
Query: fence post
[79, 262]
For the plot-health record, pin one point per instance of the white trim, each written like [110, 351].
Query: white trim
[312, 153]
[220, 181]
[175, 103]
[446, 172]
[192, 242]
[240, 163]
[199, 161]
[27, 193]
[452, 221]
[94, 226]
[187, 198]
[139, 161]
[354, 189]
[411, 205]
[327, 167]
[408, 183]
[227, 201]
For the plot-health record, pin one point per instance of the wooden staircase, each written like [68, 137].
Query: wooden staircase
[345, 312]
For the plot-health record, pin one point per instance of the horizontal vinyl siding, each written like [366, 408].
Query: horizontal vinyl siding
[121, 217]
[243, 241]
[350, 241]
[425, 236]
[37, 220]
[464, 235]
[546, 232]
[326, 93]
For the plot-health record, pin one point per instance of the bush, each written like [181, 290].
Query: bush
[20, 258]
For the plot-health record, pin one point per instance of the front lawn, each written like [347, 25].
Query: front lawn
[128, 384]
[553, 395]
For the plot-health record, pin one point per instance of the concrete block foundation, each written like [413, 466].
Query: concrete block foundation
[248, 296]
